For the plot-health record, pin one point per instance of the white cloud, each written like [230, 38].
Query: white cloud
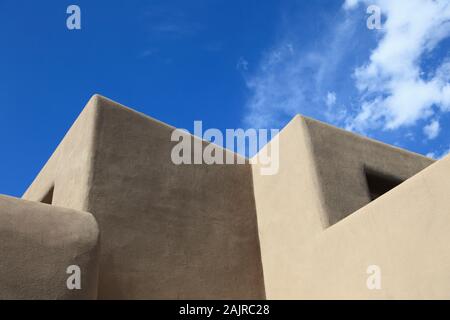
[393, 89]
[350, 4]
[438, 154]
[293, 79]
[432, 129]
[276, 89]
[331, 99]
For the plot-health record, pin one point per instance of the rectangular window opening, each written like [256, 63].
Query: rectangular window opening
[48, 198]
[380, 183]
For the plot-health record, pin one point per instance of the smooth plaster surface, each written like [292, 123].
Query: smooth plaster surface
[37, 244]
[321, 180]
[405, 233]
[168, 231]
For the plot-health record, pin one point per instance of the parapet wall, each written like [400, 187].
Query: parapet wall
[38, 242]
[405, 233]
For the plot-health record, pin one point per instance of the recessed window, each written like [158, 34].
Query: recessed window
[380, 183]
[48, 198]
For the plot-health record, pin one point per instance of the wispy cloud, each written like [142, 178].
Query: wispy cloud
[439, 154]
[175, 28]
[331, 99]
[292, 78]
[432, 129]
[350, 4]
[169, 22]
[163, 23]
[147, 53]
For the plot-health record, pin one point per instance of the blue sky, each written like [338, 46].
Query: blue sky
[228, 63]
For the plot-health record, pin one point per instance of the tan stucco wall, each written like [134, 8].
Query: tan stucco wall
[186, 231]
[340, 157]
[406, 232]
[289, 206]
[168, 231]
[69, 169]
[37, 244]
[320, 181]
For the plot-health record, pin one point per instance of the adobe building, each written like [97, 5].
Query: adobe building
[111, 201]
